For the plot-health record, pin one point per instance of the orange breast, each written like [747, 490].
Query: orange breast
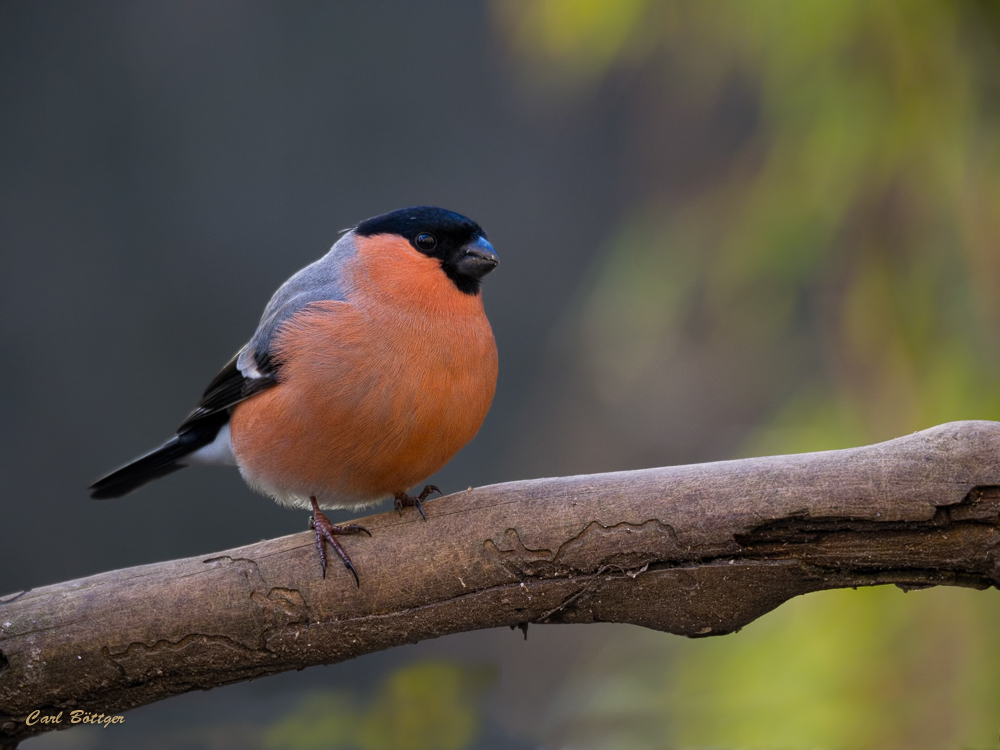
[377, 393]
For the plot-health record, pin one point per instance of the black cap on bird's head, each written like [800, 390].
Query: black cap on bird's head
[459, 243]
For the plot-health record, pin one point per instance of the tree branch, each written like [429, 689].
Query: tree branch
[693, 550]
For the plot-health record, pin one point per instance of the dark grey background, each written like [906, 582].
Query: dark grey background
[163, 168]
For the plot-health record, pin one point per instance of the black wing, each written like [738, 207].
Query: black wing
[201, 427]
[231, 386]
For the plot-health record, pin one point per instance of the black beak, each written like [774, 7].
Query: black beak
[480, 258]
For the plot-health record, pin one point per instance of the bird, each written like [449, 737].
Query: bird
[370, 368]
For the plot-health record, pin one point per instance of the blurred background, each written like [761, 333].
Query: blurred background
[726, 229]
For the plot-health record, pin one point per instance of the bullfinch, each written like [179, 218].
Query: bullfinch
[369, 370]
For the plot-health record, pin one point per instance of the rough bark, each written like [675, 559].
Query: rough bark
[693, 550]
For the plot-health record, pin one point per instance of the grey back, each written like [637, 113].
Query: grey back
[321, 280]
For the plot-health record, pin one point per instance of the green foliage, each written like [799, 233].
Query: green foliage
[869, 668]
[862, 213]
[422, 706]
[836, 276]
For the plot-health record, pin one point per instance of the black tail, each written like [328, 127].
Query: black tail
[157, 463]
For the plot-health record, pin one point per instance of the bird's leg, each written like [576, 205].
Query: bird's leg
[408, 501]
[326, 531]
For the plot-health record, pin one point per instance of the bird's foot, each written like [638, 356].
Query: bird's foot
[408, 501]
[328, 532]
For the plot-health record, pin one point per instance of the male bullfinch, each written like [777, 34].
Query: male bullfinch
[369, 370]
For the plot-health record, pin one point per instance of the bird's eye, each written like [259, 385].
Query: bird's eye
[426, 241]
